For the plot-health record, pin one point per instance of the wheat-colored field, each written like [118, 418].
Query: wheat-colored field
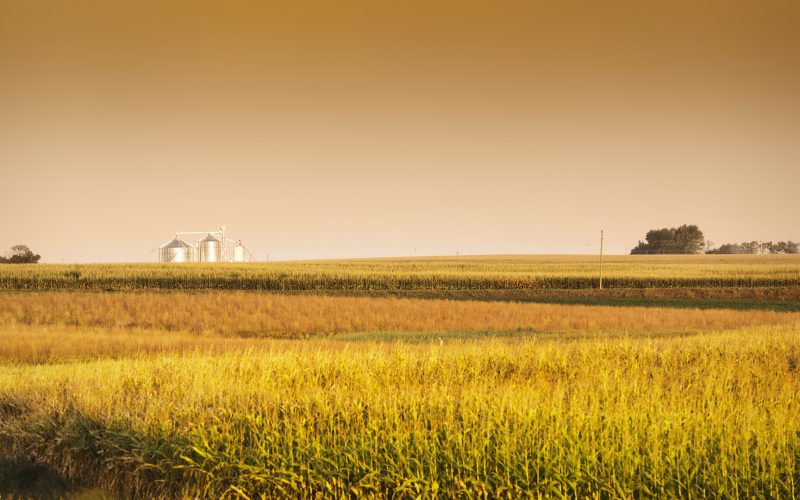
[511, 272]
[711, 415]
[245, 314]
[174, 389]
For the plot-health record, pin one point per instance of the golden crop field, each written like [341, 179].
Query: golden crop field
[425, 273]
[53, 326]
[715, 414]
[246, 314]
[171, 392]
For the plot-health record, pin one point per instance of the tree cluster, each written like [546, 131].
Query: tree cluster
[757, 247]
[686, 239]
[20, 254]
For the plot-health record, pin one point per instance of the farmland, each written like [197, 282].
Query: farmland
[425, 273]
[117, 381]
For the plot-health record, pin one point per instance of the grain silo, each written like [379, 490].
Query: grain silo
[238, 252]
[176, 251]
[210, 249]
[213, 247]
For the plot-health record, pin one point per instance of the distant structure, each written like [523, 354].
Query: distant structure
[176, 251]
[208, 246]
[211, 250]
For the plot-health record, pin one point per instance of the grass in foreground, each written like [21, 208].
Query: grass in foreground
[715, 414]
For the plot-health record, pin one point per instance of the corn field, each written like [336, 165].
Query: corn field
[713, 415]
[464, 273]
[283, 380]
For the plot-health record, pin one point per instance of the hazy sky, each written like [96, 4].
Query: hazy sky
[371, 128]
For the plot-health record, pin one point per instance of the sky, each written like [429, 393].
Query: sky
[319, 129]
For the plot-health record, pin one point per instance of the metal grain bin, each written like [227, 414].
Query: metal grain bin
[210, 249]
[238, 252]
[176, 251]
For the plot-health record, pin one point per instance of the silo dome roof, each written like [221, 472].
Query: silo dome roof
[176, 243]
[209, 238]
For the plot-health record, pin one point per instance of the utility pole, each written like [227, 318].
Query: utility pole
[601, 259]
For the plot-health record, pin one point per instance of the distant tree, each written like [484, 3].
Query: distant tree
[783, 247]
[686, 239]
[689, 239]
[729, 248]
[752, 247]
[20, 254]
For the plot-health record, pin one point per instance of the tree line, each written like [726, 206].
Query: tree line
[756, 247]
[689, 239]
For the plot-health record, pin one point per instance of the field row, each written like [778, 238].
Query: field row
[710, 415]
[247, 314]
[465, 273]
